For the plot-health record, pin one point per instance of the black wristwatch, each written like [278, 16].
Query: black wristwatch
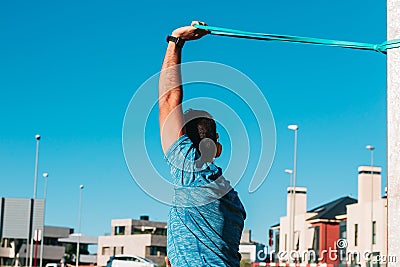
[178, 41]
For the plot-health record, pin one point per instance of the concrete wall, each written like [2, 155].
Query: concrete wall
[53, 253]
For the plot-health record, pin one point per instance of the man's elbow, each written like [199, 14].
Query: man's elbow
[169, 102]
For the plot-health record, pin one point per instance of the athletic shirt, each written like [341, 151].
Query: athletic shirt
[207, 217]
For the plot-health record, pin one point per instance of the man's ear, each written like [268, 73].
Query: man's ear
[219, 149]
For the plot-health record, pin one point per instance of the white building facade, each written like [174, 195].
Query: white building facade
[367, 219]
[144, 238]
[295, 233]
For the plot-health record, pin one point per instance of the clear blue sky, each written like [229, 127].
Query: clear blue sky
[69, 69]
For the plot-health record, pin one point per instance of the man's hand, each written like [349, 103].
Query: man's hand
[188, 33]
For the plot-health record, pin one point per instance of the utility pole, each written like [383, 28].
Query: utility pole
[37, 137]
[79, 225]
[393, 132]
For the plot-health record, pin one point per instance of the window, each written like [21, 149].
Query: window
[343, 258]
[277, 236]
[50, 241]
[105, 251]
[118, 250]
[316, 245]
[297, 239]
[119, 230]
[156, 251]
[285, 242]
[5, 243]
[342, 230]
[375, 258]
[374, 232]
[160, 231]
[140, 230]
[356, 235]
[355, 258]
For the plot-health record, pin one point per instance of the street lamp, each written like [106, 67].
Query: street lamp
[45, 176]
[79, 225]
[37, 137]
[372, 148]
[294, 128]
[291, 230]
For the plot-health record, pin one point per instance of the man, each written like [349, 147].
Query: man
[207, 217]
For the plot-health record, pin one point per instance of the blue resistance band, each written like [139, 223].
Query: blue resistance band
[382, 48]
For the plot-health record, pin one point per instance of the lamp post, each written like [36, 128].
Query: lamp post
[372, 148]
[37, 137]
[294, 128]
[45, 176]
[79, 224]
[291, 230]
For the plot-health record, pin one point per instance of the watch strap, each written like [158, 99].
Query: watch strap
[178, 41]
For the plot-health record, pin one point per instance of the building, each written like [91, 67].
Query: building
[141, 237]
[367, 219]
[21, 218]
[309, 236]
[328, 226]
[250, 250]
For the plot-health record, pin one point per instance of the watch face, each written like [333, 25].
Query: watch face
[179, 42]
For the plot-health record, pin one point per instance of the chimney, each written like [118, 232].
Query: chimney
[246, 237]
[300, 197]
[369, 183]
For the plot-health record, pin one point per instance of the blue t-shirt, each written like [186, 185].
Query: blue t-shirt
[206, 221]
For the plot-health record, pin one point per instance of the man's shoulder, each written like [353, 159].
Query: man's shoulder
[181, 144]
[182, 149]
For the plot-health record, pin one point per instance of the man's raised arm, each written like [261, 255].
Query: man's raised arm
[170, 85]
